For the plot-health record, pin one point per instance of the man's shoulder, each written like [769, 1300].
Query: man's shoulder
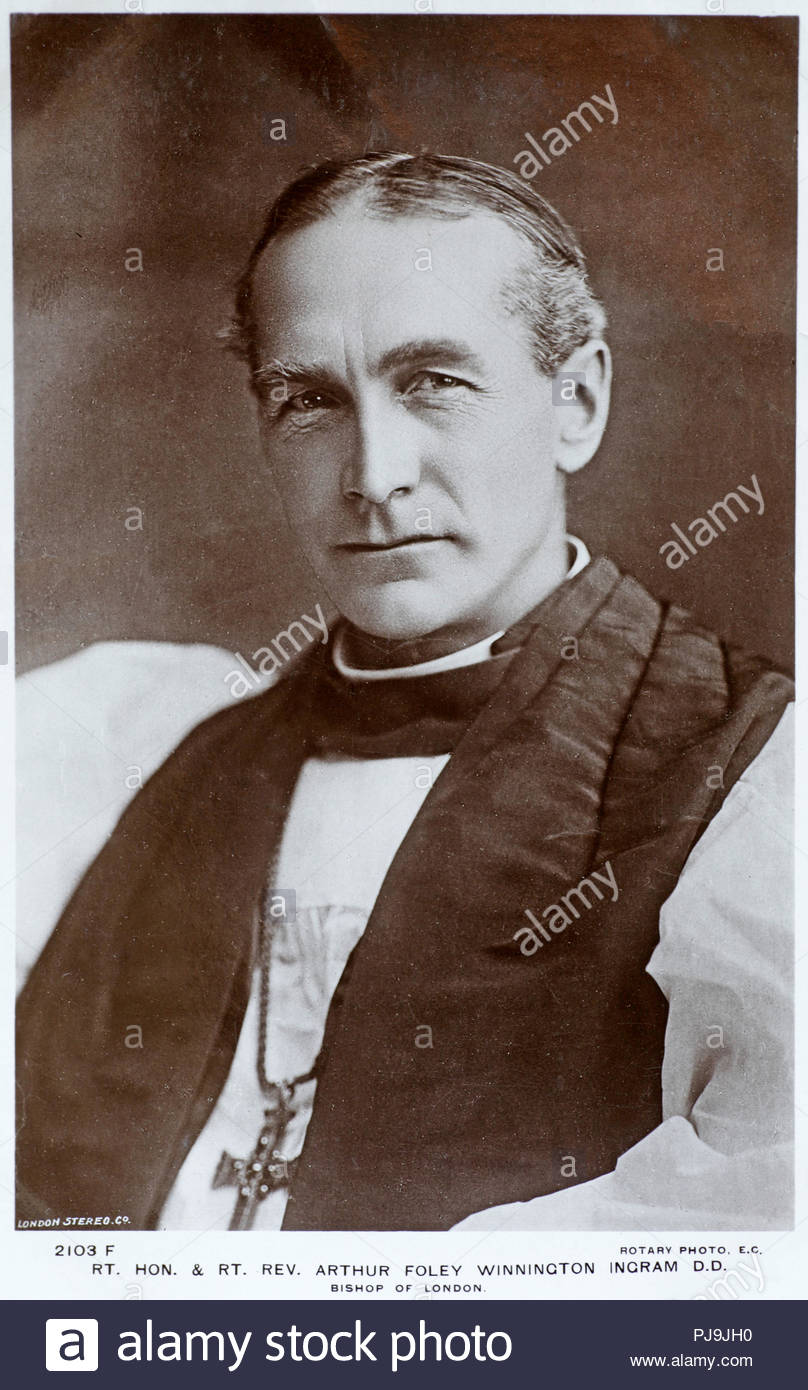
[695, 704]
[91, 729]
[128, 696]
[105, 718]
[684, 649]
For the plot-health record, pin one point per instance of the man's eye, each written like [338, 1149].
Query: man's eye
[429, 382]
[306, 401]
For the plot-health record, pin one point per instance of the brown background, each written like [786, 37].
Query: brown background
[152, 132]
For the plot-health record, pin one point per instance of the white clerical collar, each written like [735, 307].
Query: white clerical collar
[465, 656]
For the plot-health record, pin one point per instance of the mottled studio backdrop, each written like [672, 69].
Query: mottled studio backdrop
[155, 133]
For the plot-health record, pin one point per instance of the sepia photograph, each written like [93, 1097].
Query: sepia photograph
[405, 438]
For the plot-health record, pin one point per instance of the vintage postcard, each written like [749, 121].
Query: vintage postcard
[404, 470]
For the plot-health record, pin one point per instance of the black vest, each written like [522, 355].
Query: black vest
[616, 748]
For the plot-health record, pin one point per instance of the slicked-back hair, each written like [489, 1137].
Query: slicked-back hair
[550, 290]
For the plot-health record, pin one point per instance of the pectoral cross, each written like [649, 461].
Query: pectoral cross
[264, 1171]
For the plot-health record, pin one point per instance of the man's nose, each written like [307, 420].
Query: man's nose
[385, 456]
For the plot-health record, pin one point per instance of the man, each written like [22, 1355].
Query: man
[383, 930]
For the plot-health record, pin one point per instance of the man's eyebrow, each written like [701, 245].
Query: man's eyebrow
[420, 352]
[293, 370]
[430, 351]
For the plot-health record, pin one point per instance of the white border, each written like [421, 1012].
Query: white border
[28, 1270]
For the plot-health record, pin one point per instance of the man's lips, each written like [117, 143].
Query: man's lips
[368, 547]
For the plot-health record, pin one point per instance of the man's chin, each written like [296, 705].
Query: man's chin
[401, 612]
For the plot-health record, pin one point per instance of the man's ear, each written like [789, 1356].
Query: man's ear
[581, 393]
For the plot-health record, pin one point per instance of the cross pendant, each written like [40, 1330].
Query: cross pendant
[264, 1171]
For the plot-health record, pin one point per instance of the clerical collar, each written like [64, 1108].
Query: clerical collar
[579, 558]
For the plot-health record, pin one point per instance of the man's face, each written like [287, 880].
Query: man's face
[412, 438]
